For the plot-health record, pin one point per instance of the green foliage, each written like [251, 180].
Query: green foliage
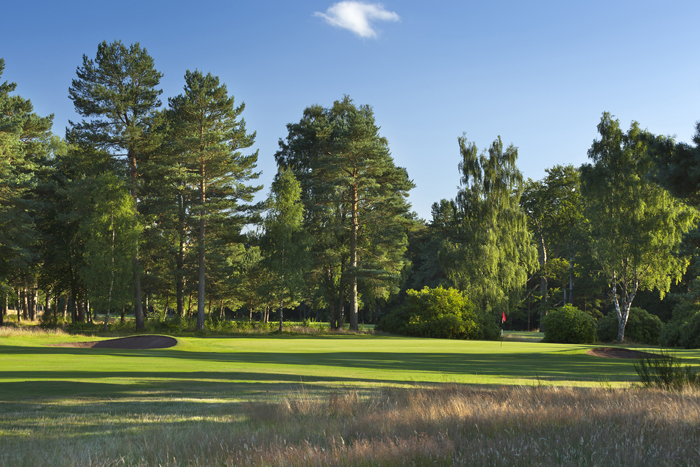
[109, 237]
[642, 327]
[488, 252]
[442, 313]
[355, 204]
[678, 166]
[635, 226]
[569, 325]
[285, 245]
[683, 330]
[553, 207]
[25, 141]
[209, 136]
[664, 371]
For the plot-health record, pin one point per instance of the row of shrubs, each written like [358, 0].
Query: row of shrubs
[448, 313]
[569, 325]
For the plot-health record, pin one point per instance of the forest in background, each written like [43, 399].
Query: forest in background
[145, 208]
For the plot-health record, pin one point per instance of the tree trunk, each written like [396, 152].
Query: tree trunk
[180, 258]
[281, 313]
[138, 306]
[353, 261]
[189, 305]
[71, 309]
[571, 278]
[200, 296]
[47, 303]
[624, 311]
[544, 292]
[33, 298]
[332, 308]
[64, 306]
[123, 315]
[24, 303]
[80, 306]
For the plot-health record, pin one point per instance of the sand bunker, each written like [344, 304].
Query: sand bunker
[617, 352]
[133, 342]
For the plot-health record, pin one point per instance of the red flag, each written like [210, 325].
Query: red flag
[504, 317]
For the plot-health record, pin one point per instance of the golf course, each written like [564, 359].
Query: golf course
[332, 399]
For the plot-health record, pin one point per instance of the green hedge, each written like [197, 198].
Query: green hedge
[569, 325]
[642, 327]
[439, 312]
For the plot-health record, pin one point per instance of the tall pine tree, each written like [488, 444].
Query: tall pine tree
[210, 135]
[355, 199]
[117, 95]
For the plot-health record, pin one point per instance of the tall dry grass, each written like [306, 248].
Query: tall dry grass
[10, 330]
[452, 425]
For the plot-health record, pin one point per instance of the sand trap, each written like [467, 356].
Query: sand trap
[133, 342]
[616, 352]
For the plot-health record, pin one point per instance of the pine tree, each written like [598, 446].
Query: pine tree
[25, 148]
[117, 92]
[355, 199]
[210, 135]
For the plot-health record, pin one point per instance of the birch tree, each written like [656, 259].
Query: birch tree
[635, 226]
[488, 253]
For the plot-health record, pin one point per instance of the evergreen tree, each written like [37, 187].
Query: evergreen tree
[210, 135]
[25, 149]
[117, 93]
[355, 200]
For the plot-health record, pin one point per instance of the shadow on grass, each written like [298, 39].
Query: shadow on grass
[392, 367]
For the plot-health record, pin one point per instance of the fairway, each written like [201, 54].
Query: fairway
[211, 399]
[253, 366]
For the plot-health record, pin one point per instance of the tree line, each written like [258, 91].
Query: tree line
[148, 209]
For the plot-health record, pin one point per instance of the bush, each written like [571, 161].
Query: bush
[684, 328]
[665, 371]
[642, 327]
[569, 325]
[439, 312]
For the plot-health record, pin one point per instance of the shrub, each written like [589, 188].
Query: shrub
[665, 371]
[569, 325]
[439, 312]
[642, 327]
[683, 329]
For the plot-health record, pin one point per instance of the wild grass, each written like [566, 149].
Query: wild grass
[447, 425]
[664, 371]
[14, 330]
[187, 326]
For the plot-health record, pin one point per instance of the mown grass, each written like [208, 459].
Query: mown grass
[333, 400]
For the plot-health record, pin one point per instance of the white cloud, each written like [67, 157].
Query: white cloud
[357, 16]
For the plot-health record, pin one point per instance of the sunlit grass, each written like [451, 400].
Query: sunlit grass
[333, 400]
[442, 425]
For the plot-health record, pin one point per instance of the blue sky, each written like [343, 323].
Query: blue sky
[539, 73]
